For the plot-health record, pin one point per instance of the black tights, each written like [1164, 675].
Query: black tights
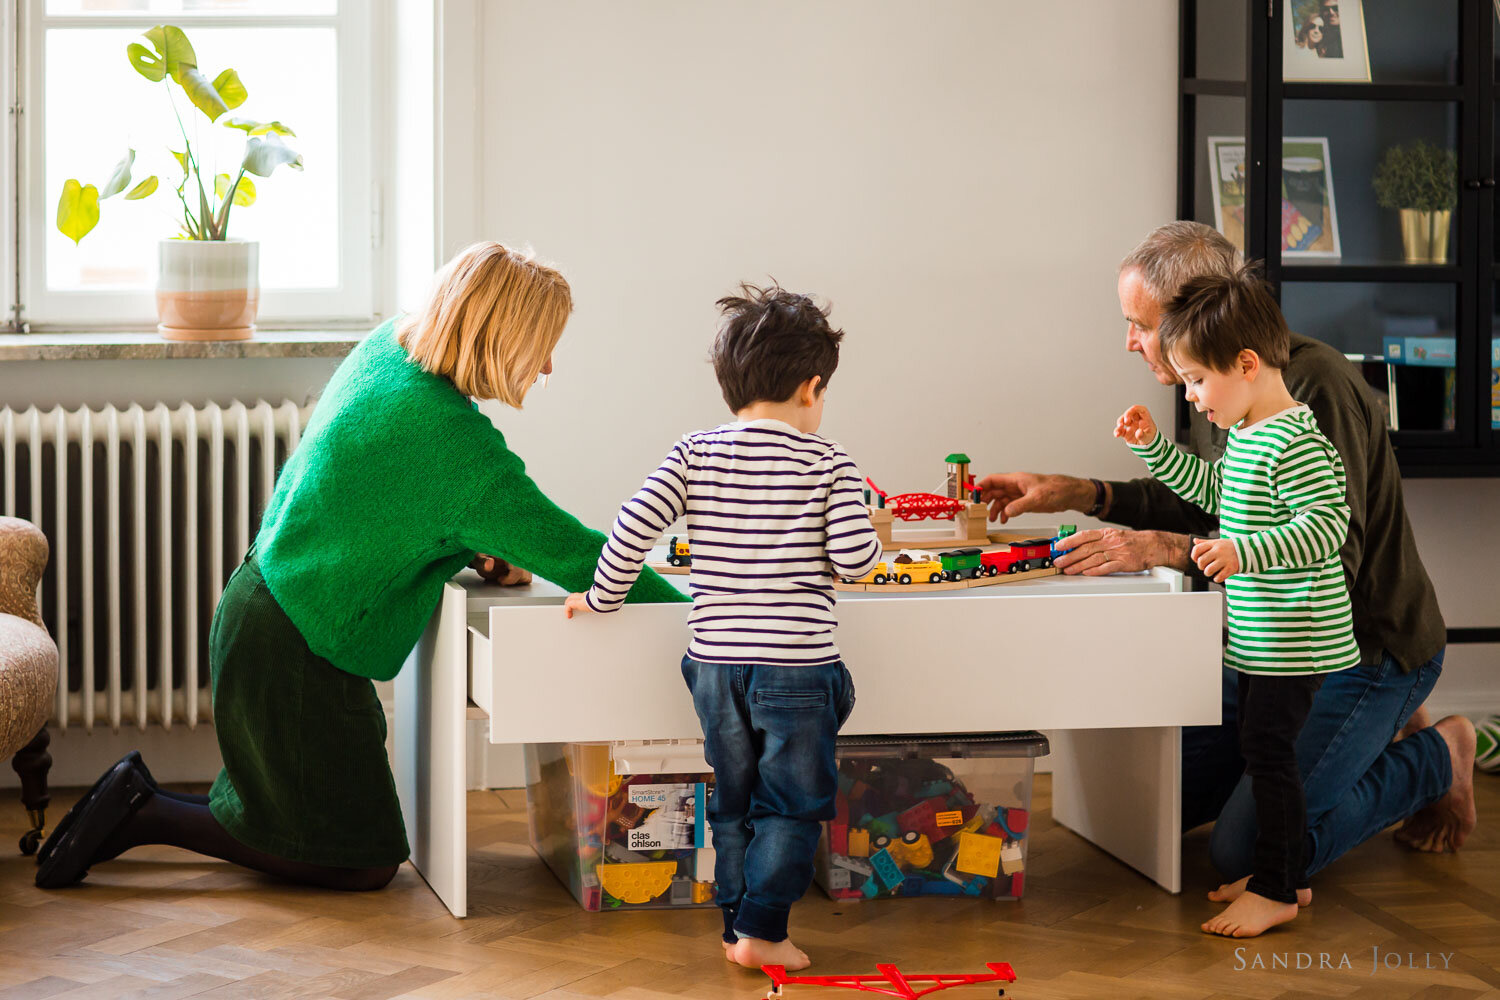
[181, 820]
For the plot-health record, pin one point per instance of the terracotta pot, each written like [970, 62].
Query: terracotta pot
[208, 289]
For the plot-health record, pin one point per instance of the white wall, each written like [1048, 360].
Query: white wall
[960, 192]
[45, 384]
[1457, 524]
[960, 187]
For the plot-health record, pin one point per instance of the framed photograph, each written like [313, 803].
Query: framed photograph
[1309, 220]
[1324, 40]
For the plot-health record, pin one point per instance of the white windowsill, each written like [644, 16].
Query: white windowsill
[149, 346]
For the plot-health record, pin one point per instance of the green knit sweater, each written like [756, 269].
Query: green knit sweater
[397, 482]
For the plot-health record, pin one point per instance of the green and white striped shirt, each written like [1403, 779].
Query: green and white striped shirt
[1278, 490]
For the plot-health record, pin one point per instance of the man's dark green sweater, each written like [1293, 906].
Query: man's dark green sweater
[1395, 607]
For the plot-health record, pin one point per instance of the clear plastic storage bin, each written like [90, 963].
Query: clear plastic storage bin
[930, 816]
[623, 825]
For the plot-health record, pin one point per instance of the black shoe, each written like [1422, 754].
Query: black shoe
[108, 807]
[133, 758]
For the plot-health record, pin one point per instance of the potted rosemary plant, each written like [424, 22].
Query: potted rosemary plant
[1421, 181]
[208, 286]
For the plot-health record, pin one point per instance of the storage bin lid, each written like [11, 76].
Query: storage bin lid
[1027, 744]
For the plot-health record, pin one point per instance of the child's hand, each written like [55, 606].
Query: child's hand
[1136, 426]
[575, 602]
[1217, 558]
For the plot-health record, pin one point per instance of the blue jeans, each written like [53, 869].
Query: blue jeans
[1356, 781]
[769, 733]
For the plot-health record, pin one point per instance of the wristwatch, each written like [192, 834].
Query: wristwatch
[1098, 507]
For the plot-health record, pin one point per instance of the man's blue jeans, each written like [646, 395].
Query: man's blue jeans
[1357, 782]
[770, 733]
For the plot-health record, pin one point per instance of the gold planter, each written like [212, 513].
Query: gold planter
[1424, 235]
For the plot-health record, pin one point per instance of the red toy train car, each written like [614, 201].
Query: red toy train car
[1034, 553]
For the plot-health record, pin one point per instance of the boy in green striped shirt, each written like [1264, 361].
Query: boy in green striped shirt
[1279, 492]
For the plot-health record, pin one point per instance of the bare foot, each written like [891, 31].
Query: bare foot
[1447, 823]
[1230, 891]
[1419, 721]
[729, 950]
[1250, 915]
[752, 953]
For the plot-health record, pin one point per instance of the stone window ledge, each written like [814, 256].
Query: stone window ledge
[149, 346]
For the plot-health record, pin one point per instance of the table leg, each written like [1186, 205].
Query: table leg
[431, 702]
[1121, 789]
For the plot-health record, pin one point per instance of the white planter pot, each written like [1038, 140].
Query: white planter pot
[208, 289]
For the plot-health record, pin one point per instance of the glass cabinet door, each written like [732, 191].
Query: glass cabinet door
[1403, 338]
[1371, 41]
[1388, 191]
[1220, 31]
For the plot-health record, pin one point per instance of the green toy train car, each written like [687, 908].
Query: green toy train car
[962, 564]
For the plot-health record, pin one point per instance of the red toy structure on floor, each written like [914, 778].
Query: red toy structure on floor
[890, 982]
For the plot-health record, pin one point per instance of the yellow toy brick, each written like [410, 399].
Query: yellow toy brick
[859, 843]
[979, 854]
[637, 883]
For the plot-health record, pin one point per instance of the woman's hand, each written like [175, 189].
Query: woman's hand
[575, 604]
[1136, 426]
[1217, 558]
[494, 570]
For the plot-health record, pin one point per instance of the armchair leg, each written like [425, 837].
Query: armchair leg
[31, 763]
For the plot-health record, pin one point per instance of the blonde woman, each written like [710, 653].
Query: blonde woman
[398, 481]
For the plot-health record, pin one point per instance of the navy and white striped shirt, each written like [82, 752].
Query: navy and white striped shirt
[773, 515]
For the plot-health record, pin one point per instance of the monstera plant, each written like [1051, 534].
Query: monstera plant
[168, 58]
[208, 285]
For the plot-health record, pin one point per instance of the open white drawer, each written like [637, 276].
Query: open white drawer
[1054, 653]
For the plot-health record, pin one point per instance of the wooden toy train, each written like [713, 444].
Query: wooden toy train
[917, 566]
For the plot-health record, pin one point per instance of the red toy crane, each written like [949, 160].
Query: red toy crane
[891, 982]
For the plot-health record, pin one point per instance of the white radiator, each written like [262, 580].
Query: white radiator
[148, 510]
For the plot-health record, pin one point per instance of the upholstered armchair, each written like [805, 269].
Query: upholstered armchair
[28, 669]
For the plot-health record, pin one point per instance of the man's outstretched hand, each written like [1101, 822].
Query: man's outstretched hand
[1011, 494]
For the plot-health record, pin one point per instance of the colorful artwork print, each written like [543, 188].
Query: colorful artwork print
[1309, 222]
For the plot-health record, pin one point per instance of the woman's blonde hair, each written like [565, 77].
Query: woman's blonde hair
[494, 316]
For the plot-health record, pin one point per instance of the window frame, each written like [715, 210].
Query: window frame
[9, 221]
[352, 301]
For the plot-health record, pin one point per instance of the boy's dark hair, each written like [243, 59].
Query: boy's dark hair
[1216, 316]
[771, 342]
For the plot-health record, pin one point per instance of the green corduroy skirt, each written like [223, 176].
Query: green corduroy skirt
[305, 771]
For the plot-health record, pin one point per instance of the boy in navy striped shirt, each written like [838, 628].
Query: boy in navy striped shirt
[774, 514]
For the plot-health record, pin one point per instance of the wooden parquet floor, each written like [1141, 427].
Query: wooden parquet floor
[162, 924]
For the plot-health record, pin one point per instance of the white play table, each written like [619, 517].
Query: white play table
[1112, 666]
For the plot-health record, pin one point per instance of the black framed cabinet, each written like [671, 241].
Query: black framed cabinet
[1351, 145]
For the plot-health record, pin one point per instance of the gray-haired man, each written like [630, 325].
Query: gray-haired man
[1357, 781]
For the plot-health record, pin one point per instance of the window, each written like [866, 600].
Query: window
[8, 276]
[305, 63]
